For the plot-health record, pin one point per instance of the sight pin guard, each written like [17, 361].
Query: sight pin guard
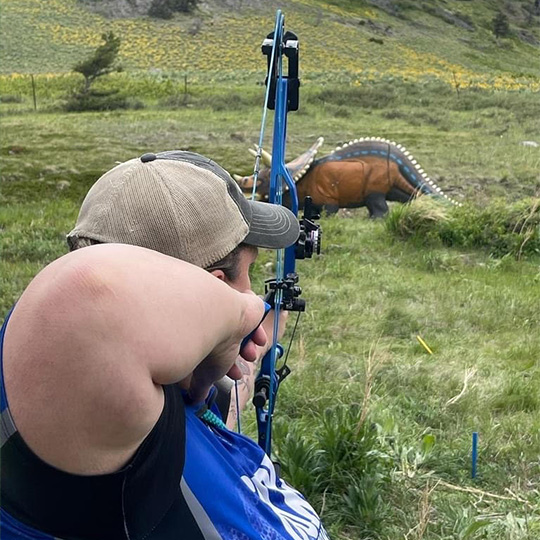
[290, 49]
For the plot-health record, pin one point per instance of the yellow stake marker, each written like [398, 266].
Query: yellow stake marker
[424, 344]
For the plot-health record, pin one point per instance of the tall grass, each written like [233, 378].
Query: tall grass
[501, 228]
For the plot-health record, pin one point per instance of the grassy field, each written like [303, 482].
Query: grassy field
[405, 467]
[374, 429]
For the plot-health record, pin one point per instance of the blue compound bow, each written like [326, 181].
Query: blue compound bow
[282, 292]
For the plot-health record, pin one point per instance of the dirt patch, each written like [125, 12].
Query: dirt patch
[119, 9]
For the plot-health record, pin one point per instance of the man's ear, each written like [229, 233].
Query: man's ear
[220, 274]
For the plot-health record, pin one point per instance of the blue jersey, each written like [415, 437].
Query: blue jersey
[239, 490]
[188, 480]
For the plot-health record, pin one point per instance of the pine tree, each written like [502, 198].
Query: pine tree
[501, 27]
[164, 9]
[101, 62]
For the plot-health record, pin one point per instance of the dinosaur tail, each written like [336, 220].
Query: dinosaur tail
[415, 174]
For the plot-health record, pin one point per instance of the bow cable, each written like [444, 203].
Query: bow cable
[258, 156]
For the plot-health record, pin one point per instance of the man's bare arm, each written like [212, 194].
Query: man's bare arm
[95, 335]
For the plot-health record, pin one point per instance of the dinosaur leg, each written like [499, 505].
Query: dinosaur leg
[331, 209]
[396, 194]
[376, 205]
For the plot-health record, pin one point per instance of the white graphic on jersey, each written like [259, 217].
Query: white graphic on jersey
[296, 514]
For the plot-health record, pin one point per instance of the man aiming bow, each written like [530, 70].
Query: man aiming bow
[109, 360]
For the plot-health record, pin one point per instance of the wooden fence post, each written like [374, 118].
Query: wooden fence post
[34, 91]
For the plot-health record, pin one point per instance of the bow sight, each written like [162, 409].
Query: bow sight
[282, 292]
[310, 233]
[309, 241]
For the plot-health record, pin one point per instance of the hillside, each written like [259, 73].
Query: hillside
[352, 40]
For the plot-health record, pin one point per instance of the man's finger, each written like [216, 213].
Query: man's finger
[235, 373]
[259, 337]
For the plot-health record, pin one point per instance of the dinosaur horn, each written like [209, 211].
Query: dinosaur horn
[237, 177]
[266, 156]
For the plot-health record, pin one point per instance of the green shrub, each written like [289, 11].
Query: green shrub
[501, 26]
[375, 96]
[342, 112]
[418, 219]
[383, 94]
[160, 9]
[164, 9]
[176, 101]
[11, 99]
[101, 101]
[232, 101]
[500, 227]
[503, 228]
[337, 459]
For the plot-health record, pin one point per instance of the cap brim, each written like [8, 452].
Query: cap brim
[272, 226]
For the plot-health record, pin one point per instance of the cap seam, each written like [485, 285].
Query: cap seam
[106, 208]
[171, 205]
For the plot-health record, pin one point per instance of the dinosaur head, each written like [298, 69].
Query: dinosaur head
[297, 169]
[263, 179]
[263, 184]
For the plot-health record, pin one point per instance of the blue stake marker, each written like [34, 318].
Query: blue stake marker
[474, 453]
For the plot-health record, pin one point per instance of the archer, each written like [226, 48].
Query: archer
[109, 359]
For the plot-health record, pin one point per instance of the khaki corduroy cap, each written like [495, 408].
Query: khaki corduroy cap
[181, 204]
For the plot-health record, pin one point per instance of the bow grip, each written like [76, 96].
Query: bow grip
[245, 341]
[262, 383]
